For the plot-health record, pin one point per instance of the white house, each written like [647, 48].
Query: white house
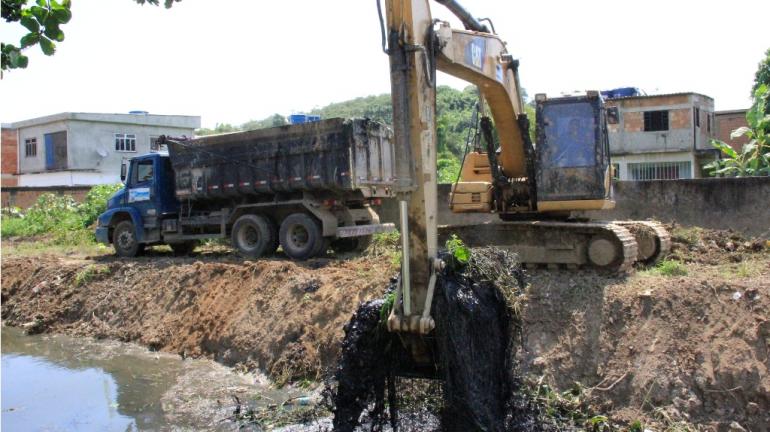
[72, 149]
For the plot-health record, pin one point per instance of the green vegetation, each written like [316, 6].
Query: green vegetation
[762, 77]
[754, 157]
[60, 217]
[90, 273]
[42, 22]
[459, 252]
[669, 267]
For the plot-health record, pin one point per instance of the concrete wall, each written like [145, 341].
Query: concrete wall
[726, 123]
[25, 197]
[735, 203]
[9, 155]
[68, 178]
[87, 140]
[724, 203]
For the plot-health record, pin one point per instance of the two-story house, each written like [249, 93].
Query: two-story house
[661, 137]
[71, 149]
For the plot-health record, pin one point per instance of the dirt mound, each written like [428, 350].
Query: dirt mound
[659, 349]
[708, 246]
[283, 317]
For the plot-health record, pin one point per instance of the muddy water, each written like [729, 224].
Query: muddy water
[62, 383]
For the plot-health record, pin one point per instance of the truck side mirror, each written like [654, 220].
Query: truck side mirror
[123, 171]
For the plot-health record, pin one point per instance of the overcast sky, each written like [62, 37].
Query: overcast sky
[235, 60]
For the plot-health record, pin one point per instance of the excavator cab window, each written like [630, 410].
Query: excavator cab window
[571, 149]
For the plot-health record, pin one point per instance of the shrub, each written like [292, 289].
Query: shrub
[61, 216]
[96, 202]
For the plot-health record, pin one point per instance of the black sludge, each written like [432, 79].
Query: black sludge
[473, 346]
[472, 332]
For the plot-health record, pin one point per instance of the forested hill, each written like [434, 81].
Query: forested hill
[454, 108]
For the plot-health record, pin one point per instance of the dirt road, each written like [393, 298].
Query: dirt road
[680, 345]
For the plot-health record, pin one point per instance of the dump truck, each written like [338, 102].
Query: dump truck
[306, 187]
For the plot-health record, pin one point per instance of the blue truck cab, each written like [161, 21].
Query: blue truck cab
[134, 213]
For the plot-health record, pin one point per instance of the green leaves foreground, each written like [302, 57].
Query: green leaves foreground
[43, 21]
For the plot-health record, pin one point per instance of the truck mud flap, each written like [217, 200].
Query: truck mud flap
[364, 230]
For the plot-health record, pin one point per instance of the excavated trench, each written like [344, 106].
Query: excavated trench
[474, 381]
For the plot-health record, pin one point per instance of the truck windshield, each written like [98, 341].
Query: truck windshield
[143, 172]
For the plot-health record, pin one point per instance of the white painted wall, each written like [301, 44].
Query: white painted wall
[68, 178]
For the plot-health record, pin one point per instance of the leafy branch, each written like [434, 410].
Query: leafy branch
[42, 21]
[754, 157]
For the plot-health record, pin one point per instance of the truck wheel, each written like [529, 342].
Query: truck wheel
[300, 236]
[351, 244]
[124, 240]
[184, 248]
[253, 235]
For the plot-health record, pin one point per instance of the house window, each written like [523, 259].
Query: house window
[708, 123]
[655, 121]
[30, 147]
[697, 117]
[660, 170]
[615, 171]
[613, 117]
[125, 142]
[155, 147]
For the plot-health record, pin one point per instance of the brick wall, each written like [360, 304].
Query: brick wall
[25, 197]
[726, 123]
[10, 157]
[680, 118]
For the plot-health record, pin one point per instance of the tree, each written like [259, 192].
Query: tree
[43, 21]
[762, 77]
[754, 157]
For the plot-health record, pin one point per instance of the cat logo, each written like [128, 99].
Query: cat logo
[474, 53]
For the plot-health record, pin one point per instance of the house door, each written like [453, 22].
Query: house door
[56, 150]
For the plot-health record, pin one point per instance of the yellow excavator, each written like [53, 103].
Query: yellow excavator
[534, 188]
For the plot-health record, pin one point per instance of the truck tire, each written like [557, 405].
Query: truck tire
[351, 244]
[124, 240]
[253, 235]
[183, 248]
[301, 237]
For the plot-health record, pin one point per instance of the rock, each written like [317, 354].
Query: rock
[752, 408]
[736, 427]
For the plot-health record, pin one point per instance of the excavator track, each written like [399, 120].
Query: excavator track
[652, 239]
[606, 246]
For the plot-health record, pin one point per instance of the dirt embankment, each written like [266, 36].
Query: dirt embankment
[687, 343]
[283, 317]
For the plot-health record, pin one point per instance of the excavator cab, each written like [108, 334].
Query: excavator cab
[572, 154]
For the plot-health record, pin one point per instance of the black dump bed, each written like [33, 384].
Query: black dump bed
[329, 155]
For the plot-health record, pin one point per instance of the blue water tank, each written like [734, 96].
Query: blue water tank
[297, 118]
[303, 118]
[621, 92]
